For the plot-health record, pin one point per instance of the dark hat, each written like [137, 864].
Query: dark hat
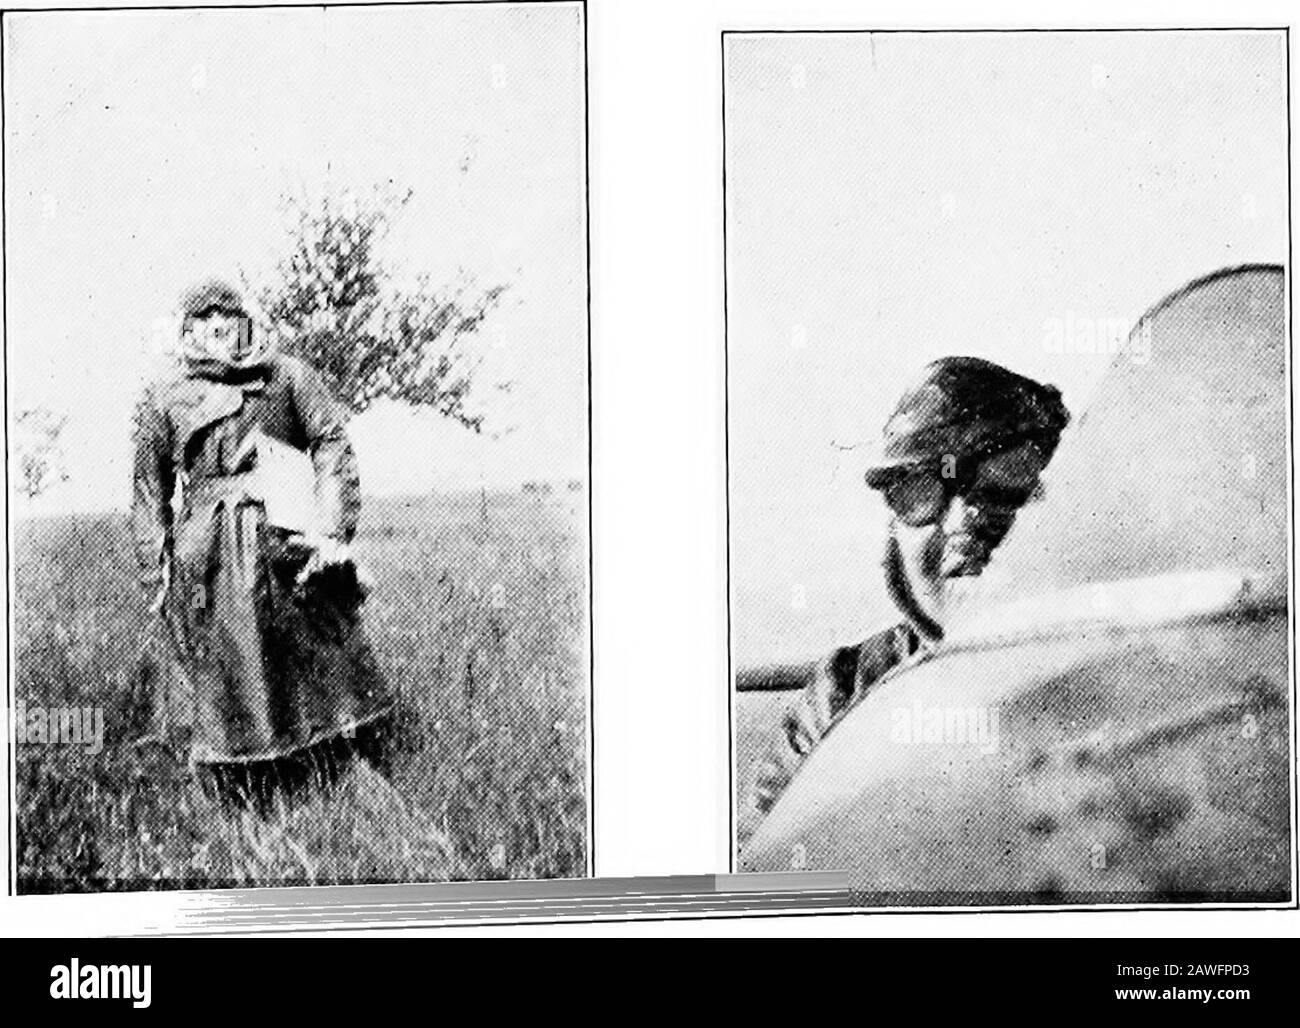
[966, 407]
[211, 294]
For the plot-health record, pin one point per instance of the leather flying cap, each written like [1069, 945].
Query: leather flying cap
[966, 407]
[211, 294]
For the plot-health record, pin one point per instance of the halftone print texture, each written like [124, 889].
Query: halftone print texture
[1094, 701]
[349, 242]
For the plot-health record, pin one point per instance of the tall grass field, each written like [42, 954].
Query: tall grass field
[479, 621]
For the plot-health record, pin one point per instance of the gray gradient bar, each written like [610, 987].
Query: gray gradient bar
[356, 906]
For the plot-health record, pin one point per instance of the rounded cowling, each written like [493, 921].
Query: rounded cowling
[1109, 721]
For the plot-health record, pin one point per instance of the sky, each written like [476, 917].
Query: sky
[145, 150]
[896, 197]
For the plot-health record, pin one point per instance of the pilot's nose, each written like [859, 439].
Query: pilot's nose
[960, 515]
[966, 515]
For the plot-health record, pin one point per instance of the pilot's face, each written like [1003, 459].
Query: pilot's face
[947, 526]
[225, 335]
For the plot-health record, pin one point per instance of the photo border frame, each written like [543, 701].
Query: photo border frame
[272, 907]
[732, 754]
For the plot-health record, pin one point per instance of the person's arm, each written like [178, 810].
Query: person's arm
[817, 707]
[338, 483]
[842, 679]
[153, 478]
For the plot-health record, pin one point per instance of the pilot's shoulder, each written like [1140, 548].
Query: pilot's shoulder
[302, 377]
[884, 649]
[164, 376]
[841, 665]
[288, 366]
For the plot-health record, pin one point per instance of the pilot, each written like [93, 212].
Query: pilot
[960, 455]
[268, 681]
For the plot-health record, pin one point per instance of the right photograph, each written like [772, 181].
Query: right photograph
[1009, 487]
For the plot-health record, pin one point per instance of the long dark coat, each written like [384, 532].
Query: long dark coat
[255, 668]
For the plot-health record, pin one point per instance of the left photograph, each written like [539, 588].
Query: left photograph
[298, 445]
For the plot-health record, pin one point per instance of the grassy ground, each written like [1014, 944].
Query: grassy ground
[479, 621]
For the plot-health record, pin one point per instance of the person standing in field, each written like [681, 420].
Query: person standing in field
[263, 675]
[959, 457]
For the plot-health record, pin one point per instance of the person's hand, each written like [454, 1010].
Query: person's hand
[325, 553]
